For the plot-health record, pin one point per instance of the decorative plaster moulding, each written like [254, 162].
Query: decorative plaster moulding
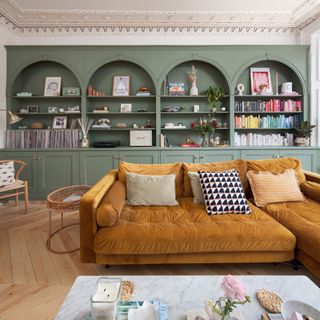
[62, 21]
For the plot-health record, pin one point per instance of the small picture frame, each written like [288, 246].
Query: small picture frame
[71, 91]
[60, 122]
[126, 107]
[52, 109]
[121, 86]
[260, 81]
[52, 86]
[33, 109]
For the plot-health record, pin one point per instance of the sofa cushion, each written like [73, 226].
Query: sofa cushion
[188, 228]
[153, 169]
[268, 187]
[311, 189]
[239, 165]
[277, 166]
[145, 190]
[303, 219]
[223, 192]
[110, 207]
[196, 187]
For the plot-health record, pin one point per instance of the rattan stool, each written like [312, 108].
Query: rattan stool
[64, 200]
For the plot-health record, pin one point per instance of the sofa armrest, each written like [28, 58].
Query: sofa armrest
[312, 176]
[88, 205]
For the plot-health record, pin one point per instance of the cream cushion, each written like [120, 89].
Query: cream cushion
[146, 190]
[196, 187]
[268, 187]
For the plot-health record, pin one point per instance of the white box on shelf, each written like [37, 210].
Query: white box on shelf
[140, 138]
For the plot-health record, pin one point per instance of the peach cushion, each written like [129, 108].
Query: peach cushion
[187, 228]
[153, 169]
[268, 187]
[239, 165]
[278, 166]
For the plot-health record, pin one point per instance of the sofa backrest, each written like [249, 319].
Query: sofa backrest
[154, 169]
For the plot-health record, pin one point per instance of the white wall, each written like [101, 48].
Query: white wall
[6, 37]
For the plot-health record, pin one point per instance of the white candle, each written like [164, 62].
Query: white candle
[105, 298]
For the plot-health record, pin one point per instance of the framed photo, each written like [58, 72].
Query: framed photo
[60, 122]
[126, 107]
[260, 81]
[121, 86]
[52, 86]
[176, 88]
[32, 109]
[71, 91]
[52, 109]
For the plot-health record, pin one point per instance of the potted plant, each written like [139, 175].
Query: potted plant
[214, 96]
[303, 133]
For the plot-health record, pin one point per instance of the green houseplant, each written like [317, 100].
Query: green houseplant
[303, 133]
[214, 96]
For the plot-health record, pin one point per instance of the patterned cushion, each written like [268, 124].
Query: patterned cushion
[7, 173]
[223, 192]
[268, 187]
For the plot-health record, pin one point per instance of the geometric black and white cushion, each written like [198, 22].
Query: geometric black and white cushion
[223, 192]
[7, 173]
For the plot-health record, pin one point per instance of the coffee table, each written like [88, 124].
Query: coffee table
[182, 293]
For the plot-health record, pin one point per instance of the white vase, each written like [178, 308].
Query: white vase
[194, 90]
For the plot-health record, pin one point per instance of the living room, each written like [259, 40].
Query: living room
[168, 152]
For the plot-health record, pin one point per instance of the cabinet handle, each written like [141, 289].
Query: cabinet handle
[34, 158]
[195, 156]
[201, 157]
[275, 156]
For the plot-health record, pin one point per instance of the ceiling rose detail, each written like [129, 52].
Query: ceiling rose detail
[63, 21]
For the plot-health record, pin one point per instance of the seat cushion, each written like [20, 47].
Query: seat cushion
[303, 219]
[17, 184]
[188, 228]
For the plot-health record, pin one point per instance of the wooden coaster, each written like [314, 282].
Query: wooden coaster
[269, 300]
[127, 290]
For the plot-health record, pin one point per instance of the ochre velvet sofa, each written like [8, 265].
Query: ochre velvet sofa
[112, 232]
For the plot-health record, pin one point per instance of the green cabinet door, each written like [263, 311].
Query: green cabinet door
[57, 169]
[172, 156]
[139, 156]
[95, 164]
[257, 154]
[217, 155]
[30, 172]
[309, 159]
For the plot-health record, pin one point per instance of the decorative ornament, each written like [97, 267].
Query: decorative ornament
[240, 88]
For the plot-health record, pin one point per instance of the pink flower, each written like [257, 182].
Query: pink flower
[233, 288]
[193, 124]
[213, 123]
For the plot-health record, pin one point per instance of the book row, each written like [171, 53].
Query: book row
[254, 139]
[273, 105]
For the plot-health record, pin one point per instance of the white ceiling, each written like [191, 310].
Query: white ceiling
[271, 16]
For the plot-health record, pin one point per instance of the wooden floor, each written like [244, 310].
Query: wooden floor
[34, 281]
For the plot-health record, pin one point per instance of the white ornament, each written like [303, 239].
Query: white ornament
[240, 88]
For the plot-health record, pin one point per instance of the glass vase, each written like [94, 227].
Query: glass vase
[204, 141]
[85, 142]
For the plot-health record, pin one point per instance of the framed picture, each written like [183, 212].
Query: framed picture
[52, 109]
[60, 122]
[260, 81]
[71, 91]
[176, 88]
[126, 107]
[52, 86]
[33, 109]
[121, 86]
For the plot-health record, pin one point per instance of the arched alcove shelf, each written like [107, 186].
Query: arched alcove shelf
[123, 112]
[207, 75]
[268, 119]
[36, 106]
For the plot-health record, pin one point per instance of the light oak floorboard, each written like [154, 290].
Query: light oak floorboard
[34, 281]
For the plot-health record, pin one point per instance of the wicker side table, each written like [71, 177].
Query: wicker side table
[64, 200]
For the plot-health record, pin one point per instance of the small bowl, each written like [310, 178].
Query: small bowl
[290, 306]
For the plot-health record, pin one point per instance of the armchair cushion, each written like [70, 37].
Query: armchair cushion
[7, 173]
[311, 189]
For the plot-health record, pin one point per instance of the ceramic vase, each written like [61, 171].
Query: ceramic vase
[194, 90]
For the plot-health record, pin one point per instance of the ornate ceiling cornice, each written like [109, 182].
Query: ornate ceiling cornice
[163, 22]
